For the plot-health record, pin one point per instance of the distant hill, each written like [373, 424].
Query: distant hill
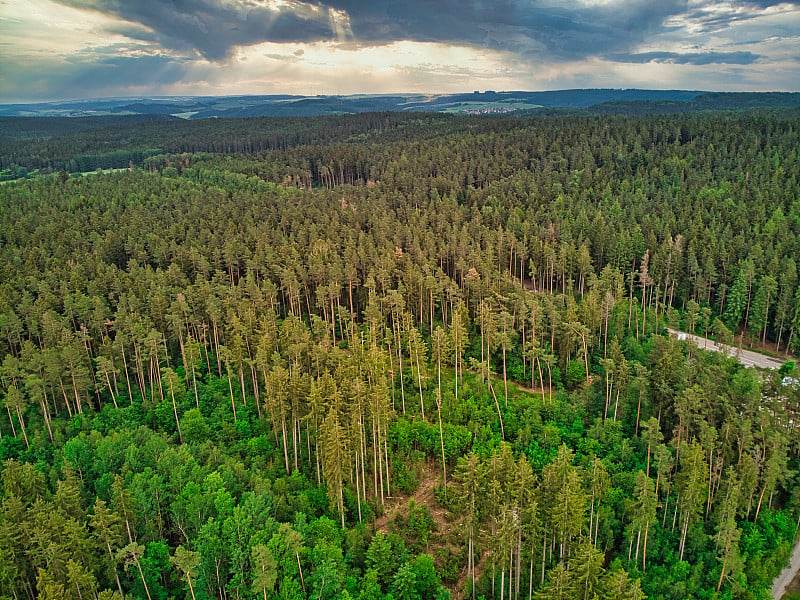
[701, 102]
[135, 132]
[616, 101]
[37, 128]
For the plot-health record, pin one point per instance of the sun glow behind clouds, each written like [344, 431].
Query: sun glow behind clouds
[47, 29]
[334, 68]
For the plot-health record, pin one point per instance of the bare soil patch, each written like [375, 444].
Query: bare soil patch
[447, 525]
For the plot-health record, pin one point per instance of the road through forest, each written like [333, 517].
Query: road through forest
[783, 580]
[751, 359]
[746, 357]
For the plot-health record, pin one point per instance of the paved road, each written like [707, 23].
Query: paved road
[746, 357]
[783, 580]
[751, 359]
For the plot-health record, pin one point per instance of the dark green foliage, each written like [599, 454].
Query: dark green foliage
[574, 374]
[200, 366]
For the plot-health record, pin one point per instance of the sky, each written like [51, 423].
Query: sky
[74, 49]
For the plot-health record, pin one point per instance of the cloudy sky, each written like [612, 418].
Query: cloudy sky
[63, 49]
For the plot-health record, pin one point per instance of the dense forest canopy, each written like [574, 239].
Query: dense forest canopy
[398, 355]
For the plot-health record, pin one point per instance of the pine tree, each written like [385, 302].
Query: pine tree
[265, 570]
[727, 531]
[458, 338]
[469, 479]
[334, 459]
[187, 563]
[131, 555]
[439, 344]
[107, 531]
[565, 500]
[691, 481]
[586, 565]
[418, 350]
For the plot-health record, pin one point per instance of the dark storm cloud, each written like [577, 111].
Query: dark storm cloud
[213, 28]
[189, 43]
[563, 31]
[96, 75]
[129, 71]
[549, 30]
[541, 30]
[690, 58]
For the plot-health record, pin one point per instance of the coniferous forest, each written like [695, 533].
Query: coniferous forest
[398, 356]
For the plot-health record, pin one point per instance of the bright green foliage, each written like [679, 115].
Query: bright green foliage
[426, 579]
[383, 559]
[194, 427]
[404, 584]
[419, 525]
[290, 589]
[738, 304]
[370, 588]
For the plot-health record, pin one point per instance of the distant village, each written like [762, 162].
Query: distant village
[489, 110]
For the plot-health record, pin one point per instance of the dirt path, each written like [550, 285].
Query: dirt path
[397, 506]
